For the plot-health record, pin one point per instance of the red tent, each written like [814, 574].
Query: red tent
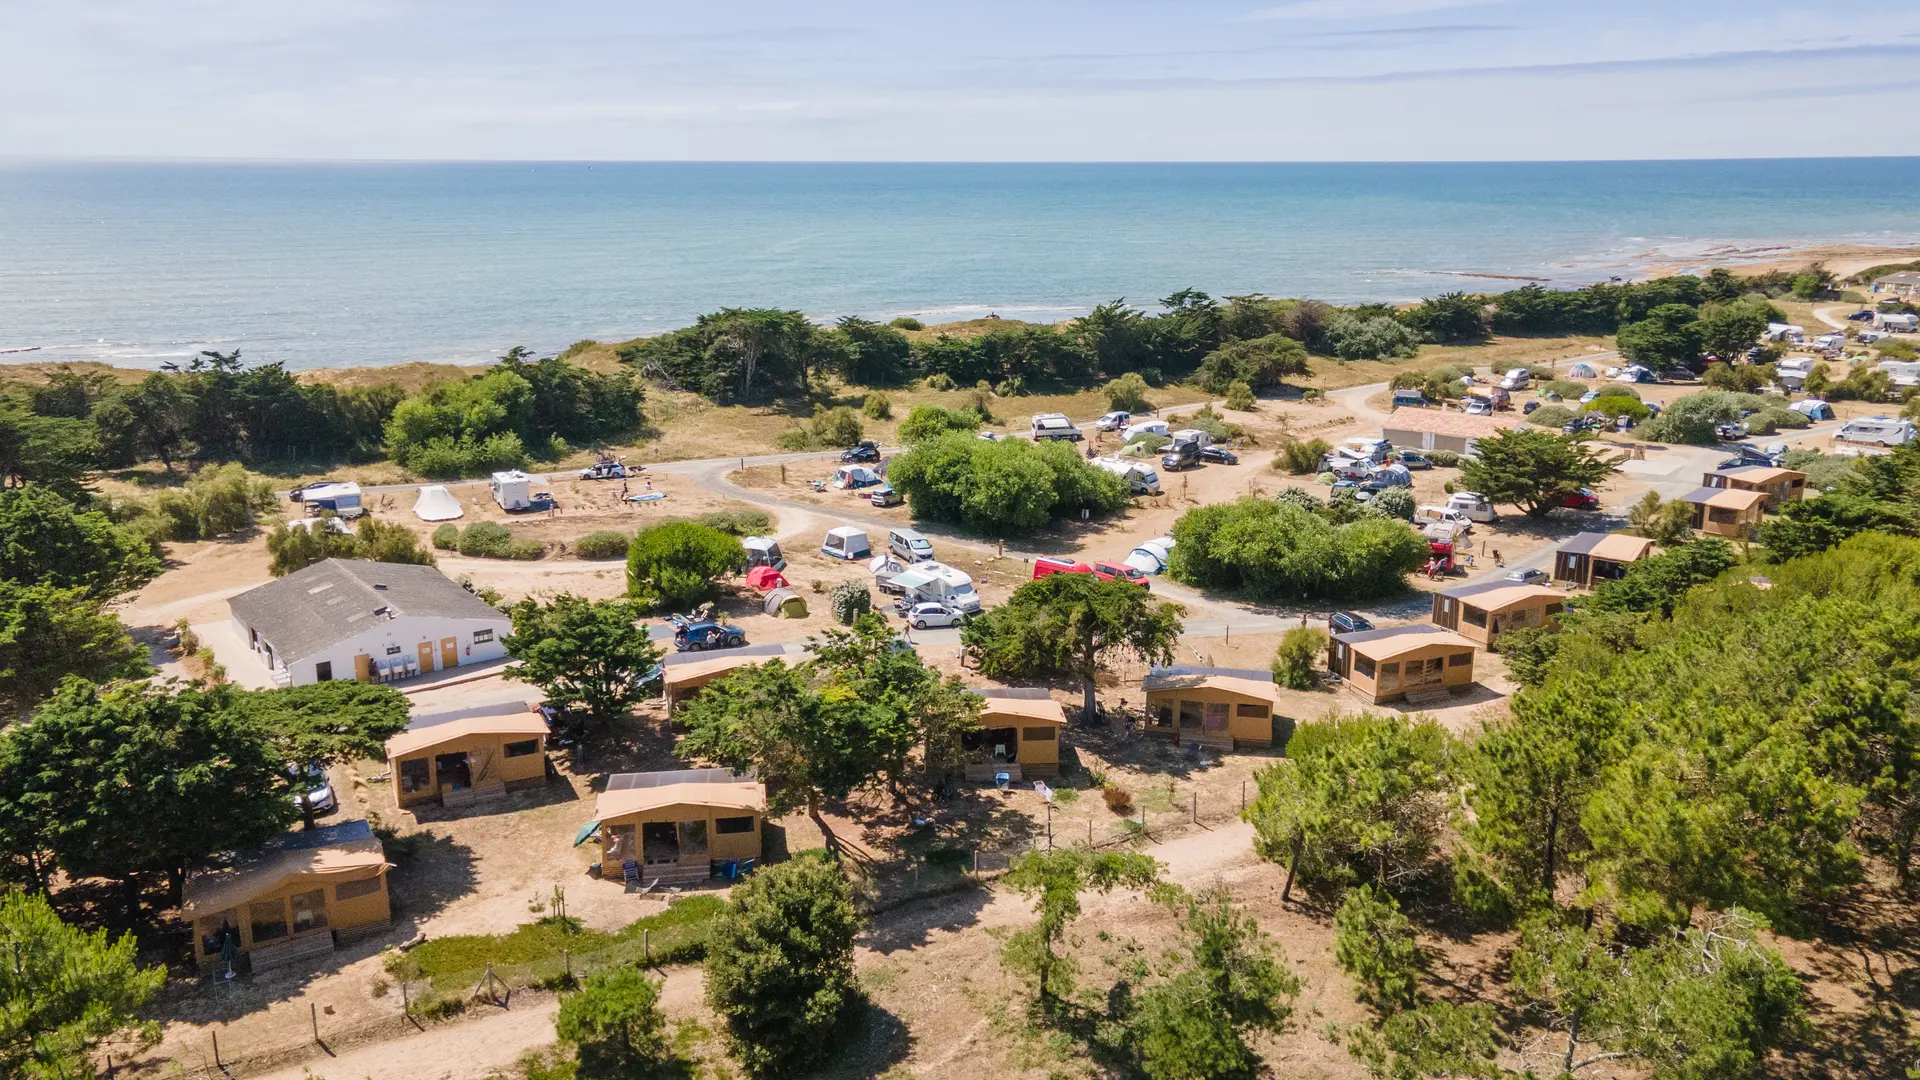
[764, 578]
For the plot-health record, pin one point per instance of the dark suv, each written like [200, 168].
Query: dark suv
[708, 635]
[865, 453]
[1347, 622]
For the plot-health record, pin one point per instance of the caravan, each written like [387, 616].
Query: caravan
[1140, 477]
[513, 489]
[1876, 431]
[342, 500]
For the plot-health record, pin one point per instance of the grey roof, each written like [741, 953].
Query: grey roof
[336, 599]
[1582, 543]
[324, 836]
[1461, 592]
[629, 781]
[1018, 693]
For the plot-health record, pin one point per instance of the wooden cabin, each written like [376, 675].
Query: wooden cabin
[1481, 613]
[1019, 734]
[1223, 707]
[295, 898]
[1414, 663]
[1780, 486]
[462, 756]
[1730, 512]
[1591, 557]
[677, 827]
[686, 674]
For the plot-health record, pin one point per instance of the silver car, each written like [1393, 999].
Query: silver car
[1529, 576]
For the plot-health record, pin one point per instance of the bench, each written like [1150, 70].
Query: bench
[287, 953]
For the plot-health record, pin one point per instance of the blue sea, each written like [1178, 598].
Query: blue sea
[329, 265]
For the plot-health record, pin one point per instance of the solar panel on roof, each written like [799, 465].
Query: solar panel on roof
[324, 836]
[636, 780]
[504, 708]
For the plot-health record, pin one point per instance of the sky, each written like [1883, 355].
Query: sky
[1038, 80]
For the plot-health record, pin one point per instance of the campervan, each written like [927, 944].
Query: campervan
[1055, 425]
[932, 582]
[1897, 322]
[1877, 431]
[343, 500]
[909, 545]
[513, 489]
[1374, 450]
[1515, 379]
[1140, 477]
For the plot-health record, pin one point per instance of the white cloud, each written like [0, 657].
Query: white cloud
[1359, 9]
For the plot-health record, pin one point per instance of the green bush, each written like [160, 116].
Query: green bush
[605, 544]
[1301, 456]
[836, 428]
[931, 421]
[1240, 397]
[741, 522]
[1150, 442]
[1691, 419]
[849, 600]
[615, 1022]
[1001, 488]
[1394, 502]
[940, 380]
[1445, 459]
[907, 322]
[1824, 471]
[1294, 658]
[1278, 552]
[1379, 337]
[488, 540]
[447, 537]
[1550, 416]
[877, 406]
[1011, 386]
[674, 564]
[1128, 392]
[1769, 421]
[1566, 388]
[1300, 497]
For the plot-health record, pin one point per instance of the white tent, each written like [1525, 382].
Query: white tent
[436, 503]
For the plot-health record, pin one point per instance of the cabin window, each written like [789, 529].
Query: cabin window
[522, 749]
[414, 775]
[1192, 713]
[693, 838]
[1037, 734]
[1255, 711]
[268, 919]
[1216, 716]
[1720, 515]
[309, 911]
[727, 826]
[213, 931]
[482, 635]
[1460, 659]
[354, 890]
[1555, 608]
[1163, 715]
[323, 671]
[1363, 665]
[1474, 616]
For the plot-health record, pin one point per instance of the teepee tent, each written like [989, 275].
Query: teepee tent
[436, 503]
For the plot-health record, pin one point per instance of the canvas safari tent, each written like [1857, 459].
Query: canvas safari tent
[1019, 734]
[436, 503]
[685, 674]
[677, 827]
[1224, 707]
[464, 755]
[290, 900]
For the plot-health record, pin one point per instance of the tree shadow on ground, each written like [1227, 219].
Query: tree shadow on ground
[429, 873]
[873, 1042]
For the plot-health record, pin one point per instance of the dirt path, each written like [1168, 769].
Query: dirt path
[1838, 322]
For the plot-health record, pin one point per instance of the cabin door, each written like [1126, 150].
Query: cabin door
[449, 652]
[426, 657]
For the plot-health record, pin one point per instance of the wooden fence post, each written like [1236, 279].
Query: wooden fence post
[216, 1050]
[313, 1014]
[1196, 805]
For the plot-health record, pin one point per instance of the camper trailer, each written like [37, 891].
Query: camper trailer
[1901, 373]
[513, 489]
[1141, 477]
[1877, 431]
[342, 500]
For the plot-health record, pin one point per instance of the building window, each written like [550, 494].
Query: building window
[268, 919]
[414, 775]
[1037, 734]
[730, 825]
[1363, 665]
[1460, 659]
[323, 671]
[1255, 711]
[1163, 715]
[309, 911]
[354, 890]
[522, 749]
[1473, 616]
[1555, 609]
[482, 635]
[1192, 713]
[693, 838]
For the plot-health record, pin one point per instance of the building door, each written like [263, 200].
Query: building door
[449, 652]
[426, 657]
[453, 772]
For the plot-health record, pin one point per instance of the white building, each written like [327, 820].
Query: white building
[376, 622]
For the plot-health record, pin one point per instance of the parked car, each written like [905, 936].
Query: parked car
[541, 500]
[1583, 499]
[605, 469]
[1113, 421]
[1572, 427]
[865, 453]
[988, 436]
[697, 637]
[1409, 399]
[884, 495]
[1219, 455]
[1589, 397]
[313, 780]
[1413, 459]
[922, 616]
[1861, 316]
[1730, 432]
[1479, 407]
[1527, 409]
[1347, 622]
[1179, 456]
[1107, 571]
[1528, 576]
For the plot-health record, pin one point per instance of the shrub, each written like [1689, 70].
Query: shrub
[1240, 397]
[615, 1021]
[1374, 943]
[1394, 502]
[1550, 416]
[1354, 337]
[674, 564]
[1128, 392]
[849, 600]
[1004, 487]
[1896, 349]
[447, 537]
[940, 380]
[1768, 421]
[907, 322]
[1691, 419]
[605, 544]
[1300, 497]
[1011, 386]
[1150, 442]
[1274, 551]
[835, 428]
[742, 522]
[1445, 459]
[488, 540]
[1118, 799]
[1301, 456]
[877, 406]
[980, 400]
[931, 421]
[1566, 388]
[1824, 471]
[1260, 363]
[1293, 659]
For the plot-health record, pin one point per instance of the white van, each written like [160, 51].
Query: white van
[909, 545]
[1877, 431]
[1515, 379]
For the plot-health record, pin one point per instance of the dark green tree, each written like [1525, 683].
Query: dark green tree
[1055, 879]
[63, 991]
[48, 633]
[1262, 363]
[808, 742]
[615, 1024]
[1450, 319]
[779, 965]
[1374, 943]
[1194, 1025]
[326, 724]
[920, 710]
[871, 354]
[1072, 624]
[675, 564]
[44, 539]
[1670, 336]
[587, 653]
[1533, 469]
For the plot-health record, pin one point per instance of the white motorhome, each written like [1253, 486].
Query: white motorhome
[934, 582]
[1792, 372]
[1876, 431]
[1897, 322]
[512, 490]
[1140, 477]
[343, 500]
[1901, 373]
[1055, 425]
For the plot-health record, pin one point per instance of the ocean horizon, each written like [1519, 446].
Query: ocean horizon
[318, 264]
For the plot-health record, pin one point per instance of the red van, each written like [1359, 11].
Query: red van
[1044, 565]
